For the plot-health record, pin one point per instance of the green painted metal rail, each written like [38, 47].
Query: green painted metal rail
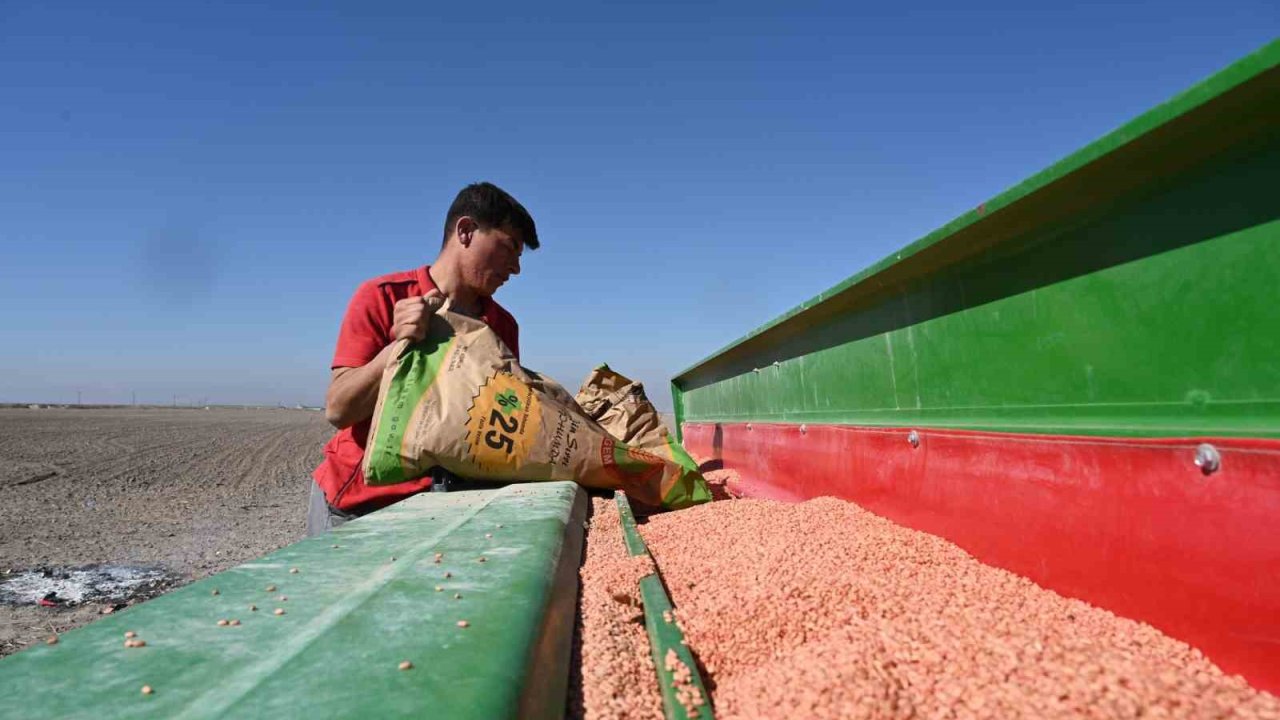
[352, 615]
[1130, 289]
[665, 636]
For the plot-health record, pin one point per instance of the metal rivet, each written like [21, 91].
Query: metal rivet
[913, 437]
[1208, 459]
[803, 429]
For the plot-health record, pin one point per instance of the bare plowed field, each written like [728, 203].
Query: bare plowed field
[192, 492]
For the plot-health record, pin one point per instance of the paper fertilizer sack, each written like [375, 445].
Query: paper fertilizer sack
[461, 401]
[620, 406]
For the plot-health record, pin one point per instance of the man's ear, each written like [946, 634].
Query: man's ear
[465, 228]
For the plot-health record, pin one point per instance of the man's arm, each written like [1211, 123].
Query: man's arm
[353, 391]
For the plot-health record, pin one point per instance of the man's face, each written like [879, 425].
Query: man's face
[490, 257]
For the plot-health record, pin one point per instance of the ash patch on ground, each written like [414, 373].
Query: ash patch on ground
[71, 586]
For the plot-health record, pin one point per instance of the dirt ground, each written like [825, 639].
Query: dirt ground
[191, 491]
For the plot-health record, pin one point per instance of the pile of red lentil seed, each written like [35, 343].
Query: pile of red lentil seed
[618, 679]
[823, 610]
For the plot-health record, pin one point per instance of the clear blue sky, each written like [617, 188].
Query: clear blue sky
[189, 192]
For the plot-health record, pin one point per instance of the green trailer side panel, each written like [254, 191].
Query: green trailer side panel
[1134, 288]
[352, 615]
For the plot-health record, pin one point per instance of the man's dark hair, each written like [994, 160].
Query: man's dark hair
[491, 207]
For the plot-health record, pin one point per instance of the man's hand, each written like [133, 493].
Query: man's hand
[353, 391]
[411, 316]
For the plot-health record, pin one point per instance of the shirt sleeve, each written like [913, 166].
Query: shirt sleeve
[366, 328]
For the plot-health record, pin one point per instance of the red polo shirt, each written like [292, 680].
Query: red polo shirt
[366, 329]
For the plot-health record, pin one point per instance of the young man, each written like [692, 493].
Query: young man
[485, 232]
